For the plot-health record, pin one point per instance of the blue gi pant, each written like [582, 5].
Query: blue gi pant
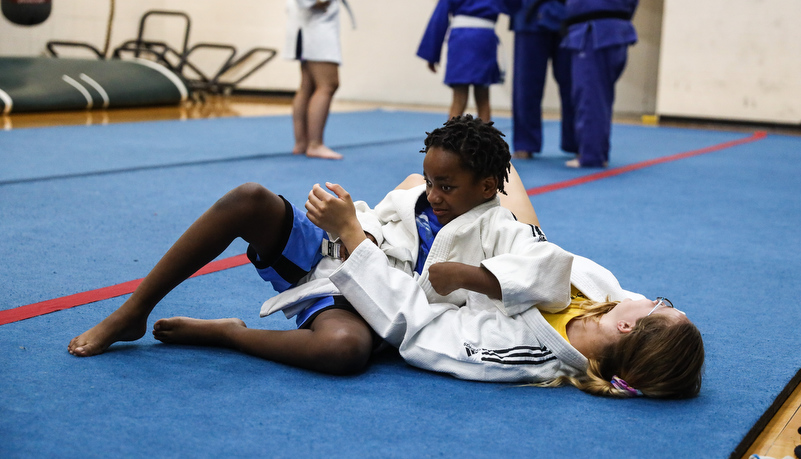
[594, 74]
[532, 51]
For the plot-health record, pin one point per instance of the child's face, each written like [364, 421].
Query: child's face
[451, 189]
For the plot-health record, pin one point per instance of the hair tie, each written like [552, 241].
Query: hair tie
[618, 383]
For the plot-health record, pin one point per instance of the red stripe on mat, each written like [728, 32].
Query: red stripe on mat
[759, 135]
[79, 299]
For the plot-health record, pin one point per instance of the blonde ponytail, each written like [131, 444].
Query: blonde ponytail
[659, 358]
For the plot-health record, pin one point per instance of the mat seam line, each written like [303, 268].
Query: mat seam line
[190, 163]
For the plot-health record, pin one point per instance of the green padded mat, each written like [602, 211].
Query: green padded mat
[31, 84]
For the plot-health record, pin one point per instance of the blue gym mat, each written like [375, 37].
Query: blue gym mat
[87, 207]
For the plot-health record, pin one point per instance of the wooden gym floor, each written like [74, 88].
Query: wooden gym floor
[777, 440]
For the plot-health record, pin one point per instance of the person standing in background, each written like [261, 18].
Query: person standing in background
[537, 26]
[599, 33]
[472, 50]
[313, 39]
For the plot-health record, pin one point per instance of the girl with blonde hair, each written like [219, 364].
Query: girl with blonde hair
[607, 341]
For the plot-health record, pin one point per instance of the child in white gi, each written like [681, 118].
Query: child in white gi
[466, 164]
[609, 342]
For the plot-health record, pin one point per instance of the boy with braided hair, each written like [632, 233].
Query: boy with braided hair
[452, 228]
[609, 341]
[456, 217]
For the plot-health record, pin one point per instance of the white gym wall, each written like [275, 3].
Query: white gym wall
[716, 59]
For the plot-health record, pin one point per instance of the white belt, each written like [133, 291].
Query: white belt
[463, 22]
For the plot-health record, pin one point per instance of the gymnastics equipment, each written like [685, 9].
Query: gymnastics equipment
[34, 84]
[155, 73]
[222, 80]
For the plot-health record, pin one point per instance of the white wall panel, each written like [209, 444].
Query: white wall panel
[732, 60]
[379, 56]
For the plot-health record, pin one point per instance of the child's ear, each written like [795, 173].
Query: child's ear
[489, 186]
[624, 326]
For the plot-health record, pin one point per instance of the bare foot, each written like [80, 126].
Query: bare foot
[119, 326]
[576, 164]
[522, 154]
[322, 151]
[199, 332]
[299, 149]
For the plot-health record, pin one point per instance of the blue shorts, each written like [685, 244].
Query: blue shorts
[301, 241]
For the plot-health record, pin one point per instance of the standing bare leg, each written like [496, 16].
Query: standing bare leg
[481, 95]
[325, 76]
[300, 111]
[460, 94]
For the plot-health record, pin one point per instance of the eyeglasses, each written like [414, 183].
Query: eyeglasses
[661, 301]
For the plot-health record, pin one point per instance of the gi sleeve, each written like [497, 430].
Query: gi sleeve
[539, 277]
[479, 344]
[387, 298]
[530, 272]
[369, 220]
[430, 47]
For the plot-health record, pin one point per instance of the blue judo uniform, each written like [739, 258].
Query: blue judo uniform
[537, 39]
[472, 44]
[599, 33]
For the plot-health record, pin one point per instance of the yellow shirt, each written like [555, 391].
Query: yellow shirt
[560, 319]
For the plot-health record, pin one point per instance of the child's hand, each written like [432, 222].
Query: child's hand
[432, 66]
[448, 276]
[329, 212]
[444, 277]
[335, 214]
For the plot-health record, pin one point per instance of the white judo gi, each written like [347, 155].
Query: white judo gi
[485, 339]
[487, 235]
[474, 342]
[319, 32]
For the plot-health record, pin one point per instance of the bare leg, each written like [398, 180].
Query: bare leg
[300, 110]
[338, 342]
[196, 332]
[516, 199]
[459, 103]
[326, 81]
[481, 95]
[250, 211]
[411, 181]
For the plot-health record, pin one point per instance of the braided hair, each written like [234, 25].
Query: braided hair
[479, 145]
